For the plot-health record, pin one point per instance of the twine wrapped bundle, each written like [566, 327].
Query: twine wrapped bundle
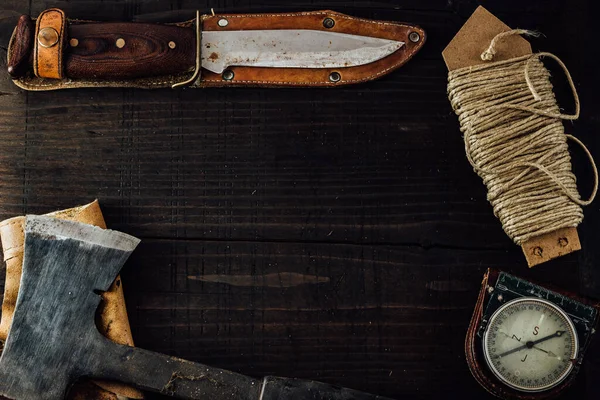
[515, 141]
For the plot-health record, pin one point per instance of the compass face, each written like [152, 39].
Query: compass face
[529, 344]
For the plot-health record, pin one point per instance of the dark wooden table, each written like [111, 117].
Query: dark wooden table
[339, 235]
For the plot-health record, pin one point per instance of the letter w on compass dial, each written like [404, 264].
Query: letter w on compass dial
[529, 344]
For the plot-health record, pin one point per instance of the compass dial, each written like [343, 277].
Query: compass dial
[529, 344]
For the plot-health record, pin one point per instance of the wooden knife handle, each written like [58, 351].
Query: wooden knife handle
[128, 50]
[184, 379]
[23, 38]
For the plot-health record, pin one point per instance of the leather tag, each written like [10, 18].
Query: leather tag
[552, 245]
[49, 42]
[475, 36]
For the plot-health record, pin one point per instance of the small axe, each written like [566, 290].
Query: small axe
[54, 341]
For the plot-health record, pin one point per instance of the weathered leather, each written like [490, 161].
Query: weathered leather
[48, 59]
[257, 76]
[474, 349]
[308, 76]
[112, 321]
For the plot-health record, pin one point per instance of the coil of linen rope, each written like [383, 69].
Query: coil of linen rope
[515, 141]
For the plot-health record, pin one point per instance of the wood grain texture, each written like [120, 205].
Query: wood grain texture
[23, 43]
[125, 50]
[54, 339]
[367, 186]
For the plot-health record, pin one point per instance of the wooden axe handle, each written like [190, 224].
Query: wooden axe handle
[185, 379]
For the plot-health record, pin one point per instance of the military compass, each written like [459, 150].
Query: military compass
[530, 344]
[525, 338]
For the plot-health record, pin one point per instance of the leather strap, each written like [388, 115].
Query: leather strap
[49, 42]
[474, 349]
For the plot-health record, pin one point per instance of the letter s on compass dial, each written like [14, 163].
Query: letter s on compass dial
[529, 344]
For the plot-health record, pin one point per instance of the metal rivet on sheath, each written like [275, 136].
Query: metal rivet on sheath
[228, 75]
[414, 37]
[335, 77]
[223, 23]
[74, 42]
[47, 37]
[172, 45]
[328, 23]
[120, 43]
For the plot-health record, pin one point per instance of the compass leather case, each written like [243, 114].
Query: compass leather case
[474, 350]
[55, 52]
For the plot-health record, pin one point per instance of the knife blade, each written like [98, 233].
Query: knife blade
[291, 48]
[136, 50]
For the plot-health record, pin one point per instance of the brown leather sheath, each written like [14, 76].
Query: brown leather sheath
[142, 55]
[112, 318]
[474, 349]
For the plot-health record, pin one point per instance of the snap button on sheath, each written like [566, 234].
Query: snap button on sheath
[414, 37]
[48, 37]
[228, 75]
[328, 23]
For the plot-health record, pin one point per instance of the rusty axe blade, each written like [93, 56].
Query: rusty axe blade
[53, 339]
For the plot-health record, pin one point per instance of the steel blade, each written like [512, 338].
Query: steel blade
[291, 48]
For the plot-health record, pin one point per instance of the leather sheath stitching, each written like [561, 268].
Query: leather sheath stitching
[310, 83]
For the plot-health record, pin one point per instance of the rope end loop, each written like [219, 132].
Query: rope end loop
[490, 52]
[488, 55]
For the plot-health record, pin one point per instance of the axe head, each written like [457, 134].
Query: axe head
[53, 339]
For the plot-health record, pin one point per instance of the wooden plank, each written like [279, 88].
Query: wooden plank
[255, 191]
[388, 319]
